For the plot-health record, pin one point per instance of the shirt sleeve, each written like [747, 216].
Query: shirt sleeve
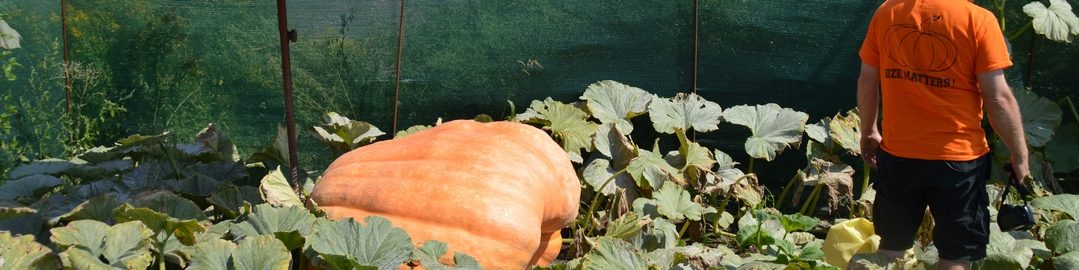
[991, 49]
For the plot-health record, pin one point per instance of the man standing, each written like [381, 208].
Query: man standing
[937, 63]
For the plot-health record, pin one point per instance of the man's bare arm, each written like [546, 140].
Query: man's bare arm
[868, 106]
[1004, 116]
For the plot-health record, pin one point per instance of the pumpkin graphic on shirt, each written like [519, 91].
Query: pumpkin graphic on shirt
[920, 48]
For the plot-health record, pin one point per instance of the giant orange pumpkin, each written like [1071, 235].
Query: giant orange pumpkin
[498, 191]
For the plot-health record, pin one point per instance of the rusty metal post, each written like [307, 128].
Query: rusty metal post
[287, 37]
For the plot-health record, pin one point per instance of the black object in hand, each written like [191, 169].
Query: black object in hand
[1015, 217]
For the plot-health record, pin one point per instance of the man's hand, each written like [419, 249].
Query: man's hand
[1020, 169]
[870, 146]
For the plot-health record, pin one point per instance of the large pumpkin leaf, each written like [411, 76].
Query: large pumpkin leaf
[675, 203]
[625, 227]
[12, 210]
[261, 252]
[88, 242]
[97, 208]
[343, 134]
[348, 243]
[774, 128]
[210, 141]
[50, 166]
[845, 131]
[214, 254]
[288, 224]
[1063, 150]
[1056, 22]
[684, 112]
[611, 253]
[1041, 117]
[567, 123]
[230, 199]
[151, 174]
[692, 155]
[659, 234]
[837, 179]
[819, 131]
[197, 185]
[1069, 260]
[1007, 252]
[1061, 237]
[1067, 203]
[599, 171]
[615, 103]
[613, 144]
[276, 190]
[22, 252]
[650, 169]
[30, 186]
[170, 204]
[429, 253]
[164, 226]
[101, 169]
[9, 38]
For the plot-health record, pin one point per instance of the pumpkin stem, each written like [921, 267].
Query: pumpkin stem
[595, 200]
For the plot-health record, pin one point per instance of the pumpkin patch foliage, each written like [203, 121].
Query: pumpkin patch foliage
[651, 197]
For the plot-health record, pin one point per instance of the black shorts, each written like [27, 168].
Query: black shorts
[956, 196]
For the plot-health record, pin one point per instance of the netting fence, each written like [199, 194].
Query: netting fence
[150, 66]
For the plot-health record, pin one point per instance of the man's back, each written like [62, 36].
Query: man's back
[928, 53]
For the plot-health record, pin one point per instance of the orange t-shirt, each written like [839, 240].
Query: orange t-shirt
[928, 53]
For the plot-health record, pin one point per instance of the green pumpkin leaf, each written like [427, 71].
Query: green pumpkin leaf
[261, 252]
[197, 185]
[9, 38]
[692, 155]
[50, 166]
[100, 154]
[684, 112]
[377, 244]
[812, 251]
[429, 253]
[845, 131]
[1069, 260]
[625, 227]
[650, 169]
[97, 208]
[230, 199]
[164, 225]
[101, 169]
[218, 144]
[411, 130]
[567, 123]
[1007, 252]
[288, 224]
[13, 210]
[659, 234]
[30, 186]
[22, 252]
[599, 171]
[774, 128]
[819, 131]
[276, 190]
[151, 174]
[723, 160]
[1067, 203]
[615, 103]
[1063, 150]
[1061, 237]
[214, 254]
[343, 134]
[1041, 116]
[798, 222]
[88, 242]
[676, 204]
[611, 253]
[613, 144]
[1056, 22]
[170, 204]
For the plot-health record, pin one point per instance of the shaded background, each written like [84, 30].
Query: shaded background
[151, 66]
